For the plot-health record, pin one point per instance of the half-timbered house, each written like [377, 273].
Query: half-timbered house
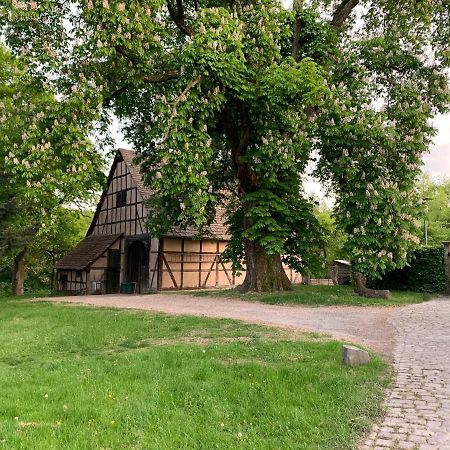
[118, 251]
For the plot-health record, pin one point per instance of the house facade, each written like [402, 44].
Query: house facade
[118, 249]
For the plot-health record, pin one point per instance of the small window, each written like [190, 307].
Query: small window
[121, 199]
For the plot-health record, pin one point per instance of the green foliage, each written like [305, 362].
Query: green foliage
[66, 229]
[44, 153]
[46, 161]
[219, 104]
[61, 233]
[334, 239]
[425, 273]
[321, 296]
[436, 206]
[84, 378]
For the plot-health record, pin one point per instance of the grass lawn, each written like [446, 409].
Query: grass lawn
[322, 296]
[76, 377]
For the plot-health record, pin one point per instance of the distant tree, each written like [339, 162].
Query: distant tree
[46, 160]
[66, 228]
[225, 97]
[334, 238]
[436, 209]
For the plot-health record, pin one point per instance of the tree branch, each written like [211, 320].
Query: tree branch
[177, 15]
[117, 93]
[296, 45]
[158, 78]
[161, 77]
[342, 12]
[120, 49]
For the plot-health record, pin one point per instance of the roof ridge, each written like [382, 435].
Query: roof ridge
[134, 169]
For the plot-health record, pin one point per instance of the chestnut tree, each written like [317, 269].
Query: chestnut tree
[227, 101]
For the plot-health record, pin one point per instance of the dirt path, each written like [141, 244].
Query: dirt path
[364, 325]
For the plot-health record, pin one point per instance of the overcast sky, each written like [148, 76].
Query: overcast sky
[437, 162]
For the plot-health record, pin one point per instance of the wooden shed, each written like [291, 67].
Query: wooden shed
[342, 271]
[118, 248]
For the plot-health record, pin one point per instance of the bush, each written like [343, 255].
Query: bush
[425, 273]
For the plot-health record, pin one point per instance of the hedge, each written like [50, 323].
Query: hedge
[425, 273]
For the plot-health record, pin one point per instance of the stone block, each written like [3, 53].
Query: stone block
[354, 356]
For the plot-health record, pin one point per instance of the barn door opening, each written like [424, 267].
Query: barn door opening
[137, 266]
[113, 272]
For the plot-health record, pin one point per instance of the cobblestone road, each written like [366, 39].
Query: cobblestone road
[418, 407]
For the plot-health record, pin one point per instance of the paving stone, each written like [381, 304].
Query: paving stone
[384, 443]
[406, 445]
[418, 405]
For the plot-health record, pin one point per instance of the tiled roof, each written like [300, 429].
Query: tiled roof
[87, 251]
[128, 157]
[217, 229]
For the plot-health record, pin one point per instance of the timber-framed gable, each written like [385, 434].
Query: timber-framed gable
[118, 254]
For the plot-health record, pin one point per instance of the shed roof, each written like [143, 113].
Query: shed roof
[87, 251]
[343, 261]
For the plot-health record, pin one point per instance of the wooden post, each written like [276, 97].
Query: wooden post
[52, 281]
[200, 266]
[160, 264]
[217, 263]
[447, 263]
[182, 264]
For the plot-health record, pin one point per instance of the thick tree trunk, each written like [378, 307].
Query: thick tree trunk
[361, 289]
[18, 273]
[264, 273]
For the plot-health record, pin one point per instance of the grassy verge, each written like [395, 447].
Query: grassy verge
[322, 296]
[84, 378]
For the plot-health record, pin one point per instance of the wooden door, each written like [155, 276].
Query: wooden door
[113, 272]
[137, 266]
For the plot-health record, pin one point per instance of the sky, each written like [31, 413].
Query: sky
[437, 162]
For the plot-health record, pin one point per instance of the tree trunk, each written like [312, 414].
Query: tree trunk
[361, 289]
[334, 276]
[263, 273]
[18, 273]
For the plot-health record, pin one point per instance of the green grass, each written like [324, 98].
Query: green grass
[322, 296]
[76, 377]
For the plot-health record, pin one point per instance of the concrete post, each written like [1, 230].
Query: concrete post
[447, 263]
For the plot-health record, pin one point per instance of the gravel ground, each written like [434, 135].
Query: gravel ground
[363, 325]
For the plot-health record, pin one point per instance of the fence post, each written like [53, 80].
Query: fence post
[447, 263]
